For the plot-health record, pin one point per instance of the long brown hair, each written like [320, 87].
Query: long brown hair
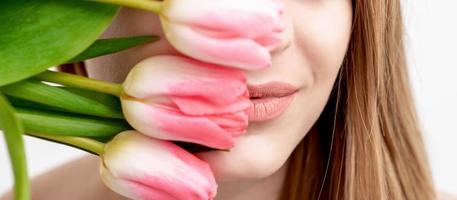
[367, 143]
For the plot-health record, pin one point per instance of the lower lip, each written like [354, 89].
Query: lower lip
[267, 108]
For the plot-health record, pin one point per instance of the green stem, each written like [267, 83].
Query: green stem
[13, 128]
[87, 144]
[148, 5]
[80, 82]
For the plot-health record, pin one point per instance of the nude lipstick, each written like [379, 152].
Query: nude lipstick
[269, 100]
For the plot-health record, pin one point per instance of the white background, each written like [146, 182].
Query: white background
[432, 50]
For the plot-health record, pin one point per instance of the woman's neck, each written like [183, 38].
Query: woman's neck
[268, 188]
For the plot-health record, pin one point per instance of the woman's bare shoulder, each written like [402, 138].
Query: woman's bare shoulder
[77, 179]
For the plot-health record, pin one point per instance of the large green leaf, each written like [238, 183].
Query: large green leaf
[112, 45]
[38, 34]
[13, 131]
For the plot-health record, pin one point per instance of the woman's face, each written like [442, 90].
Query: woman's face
[318, 35]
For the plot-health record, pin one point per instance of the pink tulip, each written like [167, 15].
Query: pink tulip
[235, 33]
[181, 99]
[140, 167]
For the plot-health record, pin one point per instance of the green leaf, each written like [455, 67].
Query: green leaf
[105, 99]
[67, 124]
[111, 101]
[71, 100]
[17, 102]
[107, 46]
[13, 131]
[39, 34]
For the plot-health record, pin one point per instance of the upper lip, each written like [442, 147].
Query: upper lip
[271, 89]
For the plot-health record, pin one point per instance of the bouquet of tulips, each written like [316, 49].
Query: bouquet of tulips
[139, 127]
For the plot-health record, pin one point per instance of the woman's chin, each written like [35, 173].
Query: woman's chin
[252, 158]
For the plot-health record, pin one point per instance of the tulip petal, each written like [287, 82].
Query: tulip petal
[181, 99]
[180, 76]
[250, 19]
[233, 33]
[140, 167]
[116, 184]
[270, 41]
[164, 188]
[242, 53]
[235, 123]
[195, 106]
[165, 123]
[147, 192]
[219, 92]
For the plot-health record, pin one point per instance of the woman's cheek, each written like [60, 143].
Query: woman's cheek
[322, 31]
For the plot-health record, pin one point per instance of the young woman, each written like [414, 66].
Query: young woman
[350, 131]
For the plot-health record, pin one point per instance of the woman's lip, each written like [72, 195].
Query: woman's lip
[269, 100]
[271, 89]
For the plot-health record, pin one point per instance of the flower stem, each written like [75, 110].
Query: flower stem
[13, 129]
[81, 82]
[87, 144]
[148, 5]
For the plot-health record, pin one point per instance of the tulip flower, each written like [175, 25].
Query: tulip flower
[181, 99]
[140, 167]
[234, 33]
